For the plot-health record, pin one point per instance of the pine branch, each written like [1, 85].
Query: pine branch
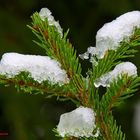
[116, 93]
[74, 86]
[119, 90]
[112, 58]
[58, 48]
[109, 128]
[93, 99]
[24, 82]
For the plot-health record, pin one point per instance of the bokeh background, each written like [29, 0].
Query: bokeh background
[32, 117]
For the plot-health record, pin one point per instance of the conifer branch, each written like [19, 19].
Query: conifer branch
[93, 119]
[28, 85]
[118, 91]
[112, 58]
[109, 128]
[58, 48]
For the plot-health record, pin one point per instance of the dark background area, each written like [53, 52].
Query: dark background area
[32, 117]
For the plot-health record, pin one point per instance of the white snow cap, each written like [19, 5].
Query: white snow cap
[78, 123]
[46, 13]
[112, 33]
[41, 68]
[123, 68]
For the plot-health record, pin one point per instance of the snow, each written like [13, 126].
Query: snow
[123, 68]
[113, 33]
[84, 55]
[41, 68]
[78, 123]
[91, 50]
[45, 13]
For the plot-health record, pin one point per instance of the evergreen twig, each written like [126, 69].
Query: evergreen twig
[79, 89]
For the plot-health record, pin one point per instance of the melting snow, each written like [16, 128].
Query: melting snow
[78, 123]
[46, 13]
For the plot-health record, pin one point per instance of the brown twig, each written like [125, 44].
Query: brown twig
[104, 128]
[114, 98]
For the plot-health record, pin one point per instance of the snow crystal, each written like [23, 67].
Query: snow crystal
[78, 123]
[41, 68]
[111, 34]
[104, 80]
[84, 56]
[90, 50]
[123, 68]
[45, 13]
[58, 27]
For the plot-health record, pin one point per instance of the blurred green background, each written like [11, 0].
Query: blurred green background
[32, 117]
